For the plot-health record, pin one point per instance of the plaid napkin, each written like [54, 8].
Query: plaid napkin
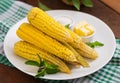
[12, 11]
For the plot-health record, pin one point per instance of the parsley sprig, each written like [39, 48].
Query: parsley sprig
[44, 67]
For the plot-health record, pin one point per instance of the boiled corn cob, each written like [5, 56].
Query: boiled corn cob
[82, 61]
[30, 34]
[51, 27]
[29, 51]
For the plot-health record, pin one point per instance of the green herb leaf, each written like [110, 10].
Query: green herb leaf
[40, 73]
[41, 68]
[95, 44]
[76, 4]
[91, 45]
[41, 60]
[87, 3]
[34, 63]
[51, 68]
[69, 1]
[67, 26]
[48, 65]
[42, 6]
[44, 67]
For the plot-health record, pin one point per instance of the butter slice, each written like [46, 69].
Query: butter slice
[83, 29]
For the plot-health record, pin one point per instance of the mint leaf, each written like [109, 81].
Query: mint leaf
[44, 67]
[40, 73]
[69, 1]
[41, 60]
[87, 3]
[48, 65]
[76, 4]
[34, 63]
[42, 6]
[51, 68]
[91, 45]
[95, 44]
[41, 68]
[67, 26]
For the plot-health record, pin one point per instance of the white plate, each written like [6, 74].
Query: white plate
[103, 34]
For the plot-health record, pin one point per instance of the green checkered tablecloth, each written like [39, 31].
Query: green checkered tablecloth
[12, 11]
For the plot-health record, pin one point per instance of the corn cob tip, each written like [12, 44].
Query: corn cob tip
[95, 55]
[33, 13]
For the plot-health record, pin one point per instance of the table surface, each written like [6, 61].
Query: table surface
[100, 10]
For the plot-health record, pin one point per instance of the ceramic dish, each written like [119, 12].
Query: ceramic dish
[103, 34]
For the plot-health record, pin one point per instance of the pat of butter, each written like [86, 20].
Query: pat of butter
[83, 29]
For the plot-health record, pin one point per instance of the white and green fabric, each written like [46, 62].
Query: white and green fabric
[12, 11]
